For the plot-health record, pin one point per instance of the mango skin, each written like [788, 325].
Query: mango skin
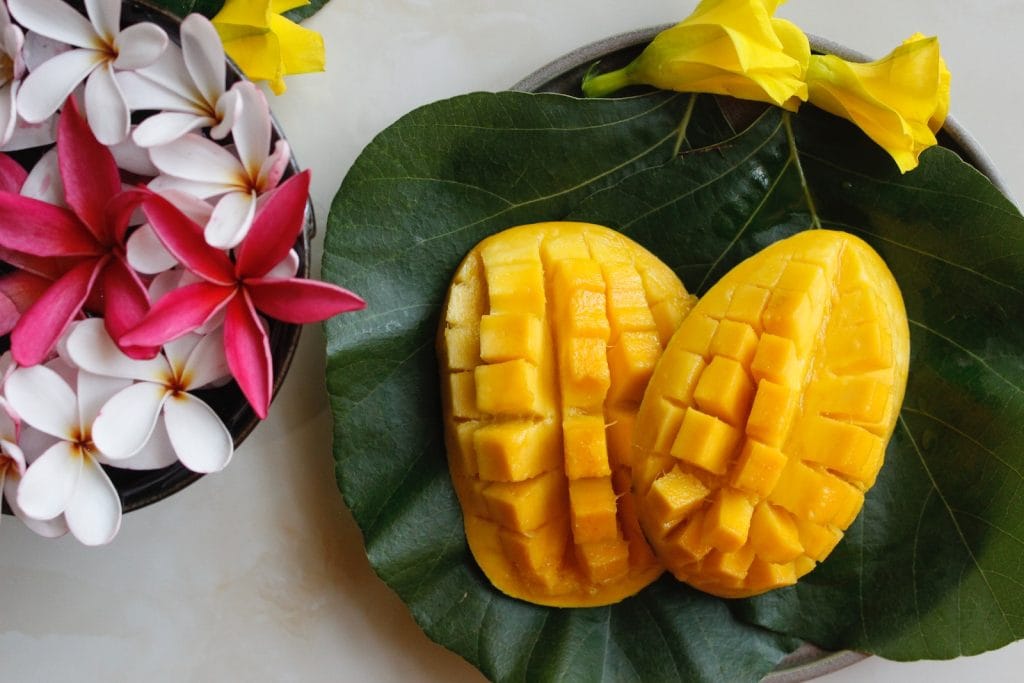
[767, 417]
[549, 335]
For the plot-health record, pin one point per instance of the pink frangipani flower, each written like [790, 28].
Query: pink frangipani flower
[89, 237]
[241, 288]
[202, 167]
[101, 47]
[163, 389]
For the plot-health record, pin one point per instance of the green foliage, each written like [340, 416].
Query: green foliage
[932, 566]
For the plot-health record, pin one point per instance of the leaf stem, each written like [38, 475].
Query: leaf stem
[684, 124]
[794, 155]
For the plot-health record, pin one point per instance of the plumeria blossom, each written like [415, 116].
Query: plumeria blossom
[205, 169]
[101, 47]
[12, 68]
[127, 421]
[187, 86]
[12, 469]
[241, 288]
[266, 45]
[67, 478]
[89, 237]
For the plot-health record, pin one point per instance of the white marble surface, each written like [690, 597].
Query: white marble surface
[258, 573]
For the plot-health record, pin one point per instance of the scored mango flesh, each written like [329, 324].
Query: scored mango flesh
[768, 415]
[549, 336]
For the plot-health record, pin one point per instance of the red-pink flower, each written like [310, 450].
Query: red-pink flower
[87, 239]
[242, 288]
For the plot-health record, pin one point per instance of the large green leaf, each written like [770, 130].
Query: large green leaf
[932, 568]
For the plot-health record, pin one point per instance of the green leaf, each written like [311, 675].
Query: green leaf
[181, 8]
[300, 14]
[420, 196]
[932, 568]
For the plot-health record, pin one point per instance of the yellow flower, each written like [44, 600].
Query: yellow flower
[727, 47]
[265, 45]
[899, 101]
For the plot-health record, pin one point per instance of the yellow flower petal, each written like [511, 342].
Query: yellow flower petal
[728, 47]
[265, 45]
[899, 101]
[302, 50]
[244, 13]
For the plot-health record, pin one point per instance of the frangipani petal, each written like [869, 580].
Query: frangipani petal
[94, 512]
[287, 268]
[142, 91]
[47, 528]
[177, 352]
[34, 227]
[43, 400]
[126, 421]
[183, 238]
[204, 56]
[248, 353]
[275, 165]
[50, 481]
[48, 86]
[301, 301]
[146, 253]
[178, 312]
[41, 325]
[90, 347]
[8, 110]
[54, 19]
[87, 167]
[132, 158]
[163, 184]
[166, 127]
[156, 454]
[199, 160]
[19, 289]
[12, 175]
[105, 16]
[106, 106]
[200, 439]
[126, 303]
[43, 181]
[207, 363]
[251, 131]
[139, 45]
[231, 219]
[228, 108]
[93, 392]
[275, 228]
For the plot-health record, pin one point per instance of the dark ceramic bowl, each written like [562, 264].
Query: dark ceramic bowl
[139, 488]
[564, 76]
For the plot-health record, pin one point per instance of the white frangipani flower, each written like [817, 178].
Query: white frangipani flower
[67, 477]
[126, 422]
[12, 68]
[187, 85]
[201, 167]
[12, 469]
[101, 48]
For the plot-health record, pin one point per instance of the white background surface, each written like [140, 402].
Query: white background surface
[258, 573]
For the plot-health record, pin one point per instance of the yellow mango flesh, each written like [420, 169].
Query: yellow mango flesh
[549, 336]
[767, 417]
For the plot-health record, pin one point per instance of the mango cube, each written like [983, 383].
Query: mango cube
[585, 447]
[510, 388]
[515, 451]
[631, 360]
[774, 534]
[705, 441]
[516, 288]
[527, 505]
[727, 522]
[747, 305]
[771, 413]
[593, 510]
[674, 496]
[509, 337]
[725, 391]
[776, 360]
[758, 469]
[583, 372]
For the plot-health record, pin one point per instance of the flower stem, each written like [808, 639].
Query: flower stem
[601, 85]
[684, 124]
[794, 155]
